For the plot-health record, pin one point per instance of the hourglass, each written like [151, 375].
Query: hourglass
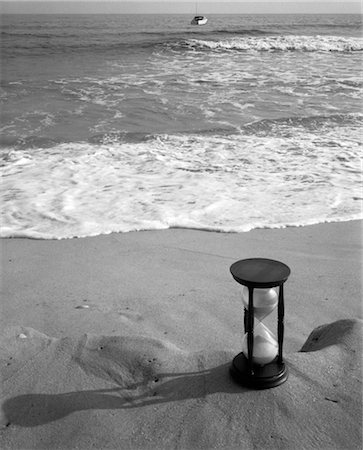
[260, 364]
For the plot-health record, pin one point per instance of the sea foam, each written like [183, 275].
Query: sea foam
[229, 183]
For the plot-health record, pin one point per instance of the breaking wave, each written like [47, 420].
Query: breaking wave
[280, 43]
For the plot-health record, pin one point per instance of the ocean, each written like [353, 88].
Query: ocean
[118, 123]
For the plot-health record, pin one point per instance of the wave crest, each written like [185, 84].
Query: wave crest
[280, 43]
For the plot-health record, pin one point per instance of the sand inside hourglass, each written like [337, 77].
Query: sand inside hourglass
[265, 346]
[264, 301]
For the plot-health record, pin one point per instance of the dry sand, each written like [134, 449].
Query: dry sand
[124, 341]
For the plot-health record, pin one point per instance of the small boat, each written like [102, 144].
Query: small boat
[199, 20]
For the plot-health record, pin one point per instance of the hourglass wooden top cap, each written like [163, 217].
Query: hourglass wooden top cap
[260, 272]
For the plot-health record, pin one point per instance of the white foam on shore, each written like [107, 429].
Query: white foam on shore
[230, 183]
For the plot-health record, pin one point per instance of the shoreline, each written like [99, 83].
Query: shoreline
[23, 235]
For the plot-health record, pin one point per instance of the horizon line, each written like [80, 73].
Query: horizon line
[68, 7]
[180, 13]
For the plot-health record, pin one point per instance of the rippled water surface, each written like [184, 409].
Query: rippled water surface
[120, 123]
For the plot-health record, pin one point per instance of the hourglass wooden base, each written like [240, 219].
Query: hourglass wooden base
[263, 377]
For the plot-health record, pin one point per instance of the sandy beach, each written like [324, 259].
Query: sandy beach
[125, 341]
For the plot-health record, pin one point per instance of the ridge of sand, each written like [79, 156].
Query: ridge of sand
[111, 391]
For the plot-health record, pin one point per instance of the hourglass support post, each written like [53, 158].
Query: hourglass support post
[280, 322]
[245, 320]
[250, 323]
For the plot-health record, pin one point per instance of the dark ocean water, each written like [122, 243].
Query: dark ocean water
[119, 123]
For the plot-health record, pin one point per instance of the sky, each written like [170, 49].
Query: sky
[179, 7]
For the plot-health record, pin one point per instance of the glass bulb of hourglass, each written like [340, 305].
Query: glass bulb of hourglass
[265, 347]
[264, 301]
